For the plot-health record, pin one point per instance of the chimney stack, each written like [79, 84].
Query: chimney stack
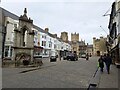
[47, 29]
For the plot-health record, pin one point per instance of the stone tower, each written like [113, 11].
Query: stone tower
[99, 46]
[64, 36]
[23, 39]
[75, 36]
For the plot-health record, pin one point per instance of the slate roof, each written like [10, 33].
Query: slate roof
[9, 14]
[39, 29]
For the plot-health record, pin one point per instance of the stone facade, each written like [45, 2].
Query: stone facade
[89, 50]
[74, 43]
[77, 46]
[99, 46]
[64, 36]
[75, 37]
[23, 49]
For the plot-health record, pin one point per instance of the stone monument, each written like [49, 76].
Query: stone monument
[23, 41]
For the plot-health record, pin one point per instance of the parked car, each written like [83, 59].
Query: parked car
[72, 57]
[83, 56]
[53, 56]
[64, 57]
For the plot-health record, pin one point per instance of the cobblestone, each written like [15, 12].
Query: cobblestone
[60, 74]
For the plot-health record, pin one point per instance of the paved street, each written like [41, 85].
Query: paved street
[60, 74]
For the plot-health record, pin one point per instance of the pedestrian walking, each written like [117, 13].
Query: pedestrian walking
[87, 56]
[108, 62]
[101, 63]
[60, 56]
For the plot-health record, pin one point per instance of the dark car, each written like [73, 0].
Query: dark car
[53, 59]
[65, 55]
[72, 57]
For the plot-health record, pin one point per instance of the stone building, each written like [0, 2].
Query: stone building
[99, 46]
[82, 48]
[89, 49]
[64, 36]
[77, 46]
[75, 42]
[75, 36]
[114, 32]
[23, 47]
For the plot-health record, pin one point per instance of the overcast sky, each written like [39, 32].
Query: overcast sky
[80, 16]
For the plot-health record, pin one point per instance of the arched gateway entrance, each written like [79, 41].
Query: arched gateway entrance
[98, 53]
[23, 40]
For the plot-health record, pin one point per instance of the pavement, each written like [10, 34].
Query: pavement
[109, 80]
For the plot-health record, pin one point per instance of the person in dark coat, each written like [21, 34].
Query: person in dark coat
[87, 56]
[101, 63]
[108, 62]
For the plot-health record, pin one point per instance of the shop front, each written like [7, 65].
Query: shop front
[115, 54]
[38, 50]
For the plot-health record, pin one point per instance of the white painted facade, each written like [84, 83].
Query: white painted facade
[9, 35]
[41, 39]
